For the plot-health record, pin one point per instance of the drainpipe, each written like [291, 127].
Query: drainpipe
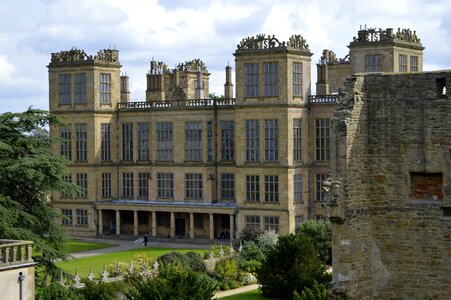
[21, 279]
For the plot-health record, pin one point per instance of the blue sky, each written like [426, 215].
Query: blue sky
[175, 31]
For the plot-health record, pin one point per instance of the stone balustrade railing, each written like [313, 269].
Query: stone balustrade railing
[13, 252]
[174, 104]
[323, 98]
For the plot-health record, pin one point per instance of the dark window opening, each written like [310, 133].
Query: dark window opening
[426, 186]
[441, 87]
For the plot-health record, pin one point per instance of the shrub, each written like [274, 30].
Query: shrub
[174, 258]
[291, 266]
[226, 271]
[216, 250]
[321, 234]
[248, 279]
[317, 292]
[174, 282]
[117, 268]
[196, 262]
[250, 234]
[101, 290]
[267, 241]
[250, 257]
[55, 291]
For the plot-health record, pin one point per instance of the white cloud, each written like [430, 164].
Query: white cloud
[6, 69]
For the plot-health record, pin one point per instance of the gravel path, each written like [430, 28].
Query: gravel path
[222, 294]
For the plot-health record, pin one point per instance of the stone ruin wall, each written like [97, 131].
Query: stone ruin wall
[389, 242]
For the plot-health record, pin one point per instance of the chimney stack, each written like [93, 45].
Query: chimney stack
[228, 86]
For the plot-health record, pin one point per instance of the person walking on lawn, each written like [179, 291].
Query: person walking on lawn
[145, 240]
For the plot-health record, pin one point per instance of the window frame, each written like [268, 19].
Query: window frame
[165, 185]
[272, 140]
[165, 135]
[105, 88]
[251, 80]
[252, 140]
[193, 141]
[270, 79]
[271, 188]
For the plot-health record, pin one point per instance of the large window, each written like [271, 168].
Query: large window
[251, 80]
[270, 79]
[297, 79]
[127, 184]
[105, 143]
[252, 140]
[64, 89]
[271, 140]
[413, 63]
[297, 182]
[81, 142]
[402, 63]
[67, 216]
[319, 187]
[143, 185]
[68, 180]
[271, 188]
[165, 185]
[82, 217]
[80, 88]
[253, 221]
[373, 63]
[105, 88]
[322, 139]
[164, 141]
[272, 224]
[228, 186]
[193, 186]
[209, 141]
[143, 141]
[193, 141]
[82, 183]
[66, 142]
[227, 149]
[106, 185]
[252, 188]
[297, 140]
[127, 141]
[298, 220]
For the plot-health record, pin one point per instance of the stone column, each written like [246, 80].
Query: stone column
[118, 222]
[212, 231]
[172, 224]
[154, 223]
[100, 222]
[135, 222]
[191, 225]
[232, 226]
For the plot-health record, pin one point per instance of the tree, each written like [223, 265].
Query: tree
[321, 234]
[29, 172]
[291, 266]
[250, 233]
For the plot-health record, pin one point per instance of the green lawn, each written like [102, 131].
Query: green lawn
[251, 295]
[97, 262]
[77, 246]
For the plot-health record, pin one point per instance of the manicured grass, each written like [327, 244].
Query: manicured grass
[78, 246]
[97, 262]
[251, 295]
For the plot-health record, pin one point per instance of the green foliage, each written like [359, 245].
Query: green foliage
[250, 257]
[250, 234]
[267, 241]
[321, 234]
[174, 282]
[196, 262]
[29, 172]
[101, 290]
[216, 250]
[292, 266]
[55, 291]
[226, 271]
[317, 292]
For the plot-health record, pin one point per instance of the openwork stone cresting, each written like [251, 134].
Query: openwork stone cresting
[262, 41]
[77, 55]
[379, 35]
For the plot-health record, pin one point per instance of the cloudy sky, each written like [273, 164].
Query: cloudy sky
[174, 31]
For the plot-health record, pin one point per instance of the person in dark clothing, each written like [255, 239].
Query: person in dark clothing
[145, 240]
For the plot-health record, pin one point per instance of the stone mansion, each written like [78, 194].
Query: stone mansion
[181, 164]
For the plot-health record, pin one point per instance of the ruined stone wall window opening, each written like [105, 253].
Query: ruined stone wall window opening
[252, 140]
[127, 141]
[426, 186]
[402, 63]
[441, 86]
[127, 184]
[106, 185]
[251, 80]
